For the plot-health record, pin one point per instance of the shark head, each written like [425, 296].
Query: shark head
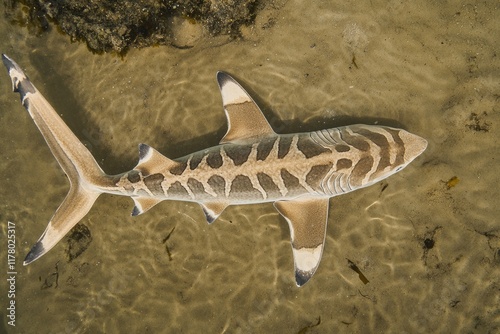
[399, 152]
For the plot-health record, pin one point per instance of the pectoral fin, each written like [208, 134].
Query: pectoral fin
[307, 219]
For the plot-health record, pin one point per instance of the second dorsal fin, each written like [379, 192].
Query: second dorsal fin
[151, 161]
[244, 119]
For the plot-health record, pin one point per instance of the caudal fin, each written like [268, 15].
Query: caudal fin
[83, 172]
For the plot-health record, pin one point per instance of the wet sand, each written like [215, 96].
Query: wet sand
[426, 239]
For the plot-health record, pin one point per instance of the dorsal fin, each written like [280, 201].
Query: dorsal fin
[151, 161]
[244, 118]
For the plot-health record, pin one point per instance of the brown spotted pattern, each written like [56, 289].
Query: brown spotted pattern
[317, 174]
[253, 164]
[153, 183]
[179, 169]
[218, 185]
[322, 163]
[214, 159]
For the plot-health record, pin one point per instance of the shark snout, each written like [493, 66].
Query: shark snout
[414, 145]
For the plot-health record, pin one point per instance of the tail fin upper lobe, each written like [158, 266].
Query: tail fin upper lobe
[82, 170]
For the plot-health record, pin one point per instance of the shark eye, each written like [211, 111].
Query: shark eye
[399, 168]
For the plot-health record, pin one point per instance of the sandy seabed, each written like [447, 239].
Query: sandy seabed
[427, 239]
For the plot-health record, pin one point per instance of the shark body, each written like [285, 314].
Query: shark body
[298, 172]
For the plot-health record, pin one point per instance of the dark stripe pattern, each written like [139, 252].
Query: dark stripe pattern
[239, 154]
[353, 140]
[265, 147]
[267, 183]
[284, 146]
[360, 170]
[344, 158]
[309, 148]
[400, 145]
[382, 143]
[291, 182]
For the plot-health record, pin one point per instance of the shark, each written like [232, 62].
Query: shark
[297, 172]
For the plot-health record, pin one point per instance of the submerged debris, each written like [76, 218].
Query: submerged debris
[78, 241]
[354, 267]
[308, 327]
[111, 25]
[166, 245]
[452, 182]
[428, 243]
[477, 122]
[52, 279]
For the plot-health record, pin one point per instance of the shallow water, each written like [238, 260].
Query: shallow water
[431, 68]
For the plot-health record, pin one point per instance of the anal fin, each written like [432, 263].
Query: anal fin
[143, 204]
[212, 210]
[307, 219]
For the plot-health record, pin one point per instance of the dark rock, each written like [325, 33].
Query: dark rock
[110, 25]
[428, 243]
